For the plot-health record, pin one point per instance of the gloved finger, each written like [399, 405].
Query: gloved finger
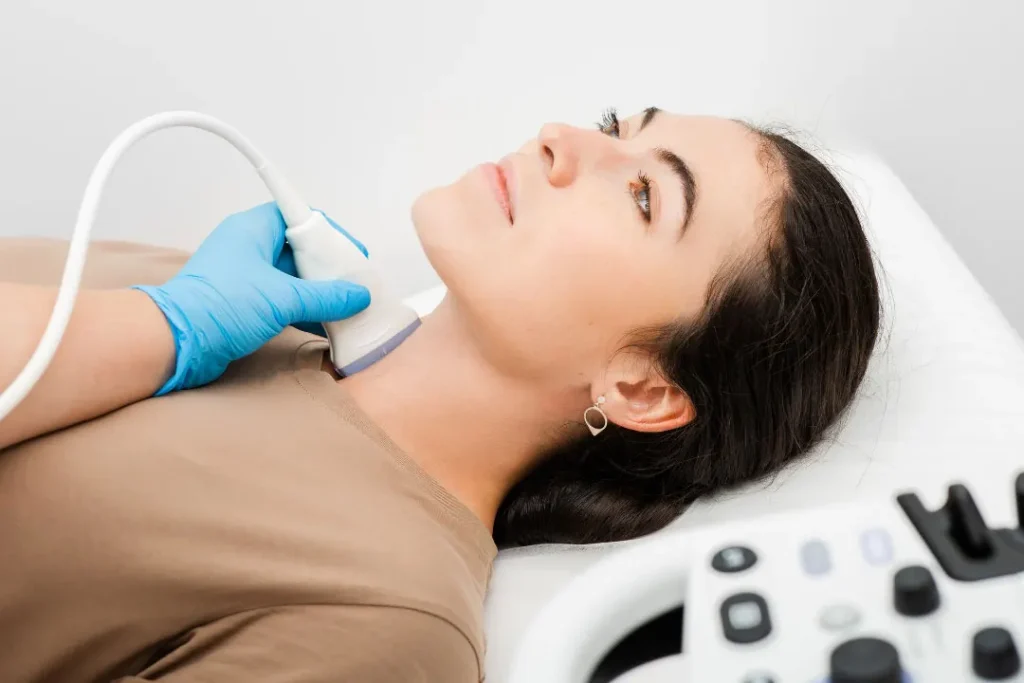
[286, 262]
[311, 328]
[326, 300]
[275, 226]
[346, 233]
[265, 226]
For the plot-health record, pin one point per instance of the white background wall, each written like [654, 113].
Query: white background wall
[364, 104]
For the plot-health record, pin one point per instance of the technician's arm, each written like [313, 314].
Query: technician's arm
[236, 293]
[117, 349]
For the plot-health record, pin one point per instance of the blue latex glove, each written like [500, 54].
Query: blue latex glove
[240, 290]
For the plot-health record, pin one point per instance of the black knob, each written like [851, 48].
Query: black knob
[1019, 491]
[966, 525]
[914, 592]
[865, 660]
[994, 654]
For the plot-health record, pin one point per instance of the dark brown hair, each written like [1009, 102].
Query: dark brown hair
[773, 361]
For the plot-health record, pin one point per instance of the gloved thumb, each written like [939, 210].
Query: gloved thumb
[321, 301]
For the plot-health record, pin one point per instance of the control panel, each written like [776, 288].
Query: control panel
[892, 592]
[887, 594]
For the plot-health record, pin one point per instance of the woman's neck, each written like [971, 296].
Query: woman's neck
[473, 429]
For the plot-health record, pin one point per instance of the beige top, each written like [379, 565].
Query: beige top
[258, 529]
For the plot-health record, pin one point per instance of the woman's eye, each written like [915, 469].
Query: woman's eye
[609, 123]
[641, 191]
[641, 188]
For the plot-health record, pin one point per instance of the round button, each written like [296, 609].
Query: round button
[865, 660]
[733, 559]
[994, 655]
[838, 617]
[814, 557]
[914, 591]
[876, 546]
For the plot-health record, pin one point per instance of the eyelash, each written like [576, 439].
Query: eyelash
[609, 122]
[609, 125]
[645, 188]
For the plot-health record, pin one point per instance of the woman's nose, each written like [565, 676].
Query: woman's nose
[559, 147]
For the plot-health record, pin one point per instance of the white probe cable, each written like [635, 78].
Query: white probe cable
[294, 210]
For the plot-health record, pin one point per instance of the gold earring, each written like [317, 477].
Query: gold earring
[596, 408]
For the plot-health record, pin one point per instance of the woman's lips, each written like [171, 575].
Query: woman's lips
[498, 180]
[508, 172]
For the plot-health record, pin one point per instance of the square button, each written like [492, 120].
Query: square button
[745, 618]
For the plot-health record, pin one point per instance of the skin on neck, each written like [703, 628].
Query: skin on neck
[473, 429]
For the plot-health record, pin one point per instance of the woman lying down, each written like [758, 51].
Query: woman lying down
[669, 305]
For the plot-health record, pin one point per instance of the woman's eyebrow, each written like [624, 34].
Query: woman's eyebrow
[649, 115]
[687, 182]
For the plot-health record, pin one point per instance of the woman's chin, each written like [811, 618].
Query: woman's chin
[436, 216]
[422, 207]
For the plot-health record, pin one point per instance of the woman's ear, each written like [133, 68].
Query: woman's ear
[639, 398]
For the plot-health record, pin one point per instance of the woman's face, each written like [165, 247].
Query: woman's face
[604, 232]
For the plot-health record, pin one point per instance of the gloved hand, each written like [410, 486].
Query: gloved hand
[238, 291]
